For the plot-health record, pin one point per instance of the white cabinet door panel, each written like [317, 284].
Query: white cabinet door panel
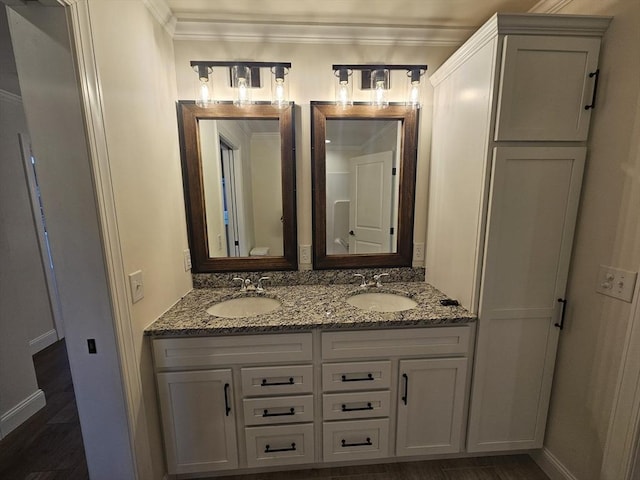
[544, 87]
[533, 206]
[199, 426]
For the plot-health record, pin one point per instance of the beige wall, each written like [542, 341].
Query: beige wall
[608, 233]
[134, 55]
[312, 79]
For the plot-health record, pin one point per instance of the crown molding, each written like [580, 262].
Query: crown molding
[401, 35]
[163, 14]
[549, 6]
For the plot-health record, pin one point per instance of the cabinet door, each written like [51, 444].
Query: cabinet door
[430, 406]
[197, 420]
[532, 213]
[545, 86]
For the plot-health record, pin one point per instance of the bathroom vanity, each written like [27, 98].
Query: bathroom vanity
[316, 381]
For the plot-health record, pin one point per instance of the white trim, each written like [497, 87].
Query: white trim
[549, 6]
[624, 424]
[162, 13]
[21, 412]
[265, 32]
[43, 341]
[10, 97]
[551, 465]
[91, 95]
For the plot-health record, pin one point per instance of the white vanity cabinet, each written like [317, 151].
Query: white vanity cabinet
[511, 114]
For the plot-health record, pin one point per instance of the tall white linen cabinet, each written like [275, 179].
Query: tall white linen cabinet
[511, 118]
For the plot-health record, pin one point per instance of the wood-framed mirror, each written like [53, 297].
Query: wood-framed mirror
[238, 166]
[363, 183]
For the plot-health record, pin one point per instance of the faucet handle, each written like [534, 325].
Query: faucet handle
[260, 287]
[241, 280]
[377, 278]
[364, 280]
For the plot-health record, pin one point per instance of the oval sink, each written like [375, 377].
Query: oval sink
[244, 307]
[381, 302]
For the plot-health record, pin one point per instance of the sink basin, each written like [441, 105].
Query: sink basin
[381, 302]
[243, 307]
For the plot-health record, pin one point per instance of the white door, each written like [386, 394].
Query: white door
[370, 206]
[532, 212]
[198, 420]
[544, 87]
[430, 406]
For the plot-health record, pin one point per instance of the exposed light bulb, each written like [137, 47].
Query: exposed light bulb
[414, 95]
[242, 91]
[279, 92]
[343, 88]
[204, 93]
[380, 95]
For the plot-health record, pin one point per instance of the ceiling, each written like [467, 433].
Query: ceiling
[394, 22]
[435, 13]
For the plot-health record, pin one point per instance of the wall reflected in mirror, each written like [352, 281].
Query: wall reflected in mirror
[362, 158]
[241, 170]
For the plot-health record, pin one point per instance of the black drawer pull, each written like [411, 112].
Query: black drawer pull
[267, 384]
[268, 449]
[359, 444]
[406, 388]
[560, 325]
[595, 89]
[292, 411]
[355, 409]
[366, 379]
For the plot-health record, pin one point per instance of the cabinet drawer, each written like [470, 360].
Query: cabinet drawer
[274, 410]
[356, 376]
[349, 406]
[430, 341]
[247, 349]
[357, 440]
[281, 445]
[260, 381]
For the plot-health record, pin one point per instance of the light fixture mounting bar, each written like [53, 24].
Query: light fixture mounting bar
[375, 66]
[212, 64]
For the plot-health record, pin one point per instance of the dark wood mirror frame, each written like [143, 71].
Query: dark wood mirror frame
[189, 116]
[320, 112]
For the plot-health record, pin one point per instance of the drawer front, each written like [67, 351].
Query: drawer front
[261, 381]
[276, 410]
[401, 342]
[357, 440]
[349, 406]
[281, 445]
[230, 350]
[338, 377]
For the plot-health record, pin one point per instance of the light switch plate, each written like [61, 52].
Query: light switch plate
[136, 285]
[616, 283]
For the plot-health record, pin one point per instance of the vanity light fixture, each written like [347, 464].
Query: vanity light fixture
[241, 76]
[377, 78]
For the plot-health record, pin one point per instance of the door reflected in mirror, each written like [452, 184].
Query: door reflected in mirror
[363, 165]
[362, 158]
[241, 177]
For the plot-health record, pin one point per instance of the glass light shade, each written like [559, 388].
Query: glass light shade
[242, 80]
[344, 88]
[379, 88]
[204, 86]
[279, 87]
[414, 89]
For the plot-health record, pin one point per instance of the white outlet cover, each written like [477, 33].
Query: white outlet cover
[186, 255]
[418, 252]
[616, 283]
[136, 285]
[305, 254]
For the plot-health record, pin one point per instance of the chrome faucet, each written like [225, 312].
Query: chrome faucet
[363, 284]
[243, 286]
[260, 288]
[378, 278]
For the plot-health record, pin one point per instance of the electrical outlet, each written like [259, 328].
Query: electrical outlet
[616, 283]
[418, 252]
[186, 256]
[136, 285]
[305, 254]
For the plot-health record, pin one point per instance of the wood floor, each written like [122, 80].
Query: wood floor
[49, 445]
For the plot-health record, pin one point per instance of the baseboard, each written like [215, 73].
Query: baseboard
[551, 465]
[43, 341]
[21, 412]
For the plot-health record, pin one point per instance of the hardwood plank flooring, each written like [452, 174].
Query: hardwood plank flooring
[48, 446]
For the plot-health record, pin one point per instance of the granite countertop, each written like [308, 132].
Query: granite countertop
[305, 307]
